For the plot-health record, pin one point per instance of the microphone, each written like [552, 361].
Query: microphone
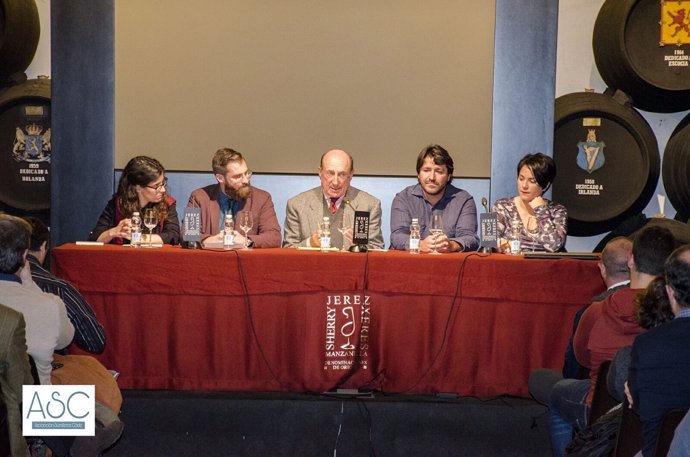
[485, 203]
[347, 202]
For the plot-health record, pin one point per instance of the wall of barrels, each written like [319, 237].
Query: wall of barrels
[25, 115]
[608, 157]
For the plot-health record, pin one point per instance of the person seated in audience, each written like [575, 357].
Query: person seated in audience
[680, 445]
[604, 327]
[89, 334]
[335, 199]
[540, 224]
[613, 267]
[660, 358]
[15, 371]
[652, 309]
[434, 192]
[142, 186]
[232, 194]
[47, 326]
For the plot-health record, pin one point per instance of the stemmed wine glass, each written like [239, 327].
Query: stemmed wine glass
[436, 228]
[532, 228]
[150, 221]
[342, 228]
[246, 224]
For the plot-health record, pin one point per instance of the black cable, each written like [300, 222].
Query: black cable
[446, 328]
[250, 317]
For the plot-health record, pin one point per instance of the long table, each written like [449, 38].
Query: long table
[309, 321]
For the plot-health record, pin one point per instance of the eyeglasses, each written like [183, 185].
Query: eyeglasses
[158, 187]
[238, 178]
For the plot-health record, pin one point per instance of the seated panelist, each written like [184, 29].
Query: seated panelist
[335, 199]
[540, 224]
[435, 193]
[142, 186]
[234, 193]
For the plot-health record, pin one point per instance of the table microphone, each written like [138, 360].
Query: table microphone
[485, 202]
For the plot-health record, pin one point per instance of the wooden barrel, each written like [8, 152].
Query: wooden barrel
[607, 158]
[25, 142]
[643, 49]
[20, 30]
[676, 169]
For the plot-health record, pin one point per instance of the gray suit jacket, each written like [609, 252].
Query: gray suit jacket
[15, 371]
[305, 211]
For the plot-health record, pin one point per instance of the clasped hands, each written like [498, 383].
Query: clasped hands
[315, 238]
[442, 242]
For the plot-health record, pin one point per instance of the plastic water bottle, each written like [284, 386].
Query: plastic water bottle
[228, 231]
[415, 236]
[515, 237]
[325, 234]
[135, 240]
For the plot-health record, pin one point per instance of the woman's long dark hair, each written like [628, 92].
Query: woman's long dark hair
[142, 171]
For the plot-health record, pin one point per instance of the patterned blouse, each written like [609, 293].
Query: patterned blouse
[552, 220]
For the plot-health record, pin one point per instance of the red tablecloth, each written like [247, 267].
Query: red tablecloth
[283, 319]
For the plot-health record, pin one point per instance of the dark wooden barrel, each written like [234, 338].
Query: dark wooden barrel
[25, 142]
[607, 159]
[19, 33]
[638, 50]
[676, 169]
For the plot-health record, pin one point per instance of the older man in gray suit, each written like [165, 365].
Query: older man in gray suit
[335, 199]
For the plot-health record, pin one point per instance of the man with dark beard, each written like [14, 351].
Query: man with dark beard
[435, 193]
[234, 194]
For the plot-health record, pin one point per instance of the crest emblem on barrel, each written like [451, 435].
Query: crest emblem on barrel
[30, 145]
[590, 155]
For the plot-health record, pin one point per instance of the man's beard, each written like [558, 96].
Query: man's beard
[240, 194]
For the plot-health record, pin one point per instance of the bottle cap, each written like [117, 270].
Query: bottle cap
[414, 219]
[135, 213]
[228, 216]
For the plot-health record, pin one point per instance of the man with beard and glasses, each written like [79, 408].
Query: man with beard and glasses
[435, 193]
[234, 194]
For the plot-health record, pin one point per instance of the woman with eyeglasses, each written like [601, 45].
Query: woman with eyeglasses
[142, 185]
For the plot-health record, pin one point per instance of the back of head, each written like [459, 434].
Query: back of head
[651, 246]
[615, 258]
[543, 168]
[223, 157]
[39, 233]
[439, 155]
[652, 306]
[14, 241]
[677, 273]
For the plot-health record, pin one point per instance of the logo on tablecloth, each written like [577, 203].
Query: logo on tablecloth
[348, 318]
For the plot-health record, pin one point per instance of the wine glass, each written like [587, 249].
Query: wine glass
[436, 228]
[246, 224]
[343, 226]
[150, 221]
[532, 228]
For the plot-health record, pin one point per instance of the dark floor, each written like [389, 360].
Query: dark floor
[160, 423]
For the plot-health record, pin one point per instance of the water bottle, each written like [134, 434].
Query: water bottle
[515, 237]
[228, 231]
[135, 240]
[325, 234]
[415, 236]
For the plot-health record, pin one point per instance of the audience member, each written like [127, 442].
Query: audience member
[89, 334]
[613, 267]
[652, 309]
[605, 327]
[435, 193]
[234, 193]
[540, 224]
[335, 199]
[47, 325]
[15, 371]
[142, 185]
[660, 360]
[680, 445]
